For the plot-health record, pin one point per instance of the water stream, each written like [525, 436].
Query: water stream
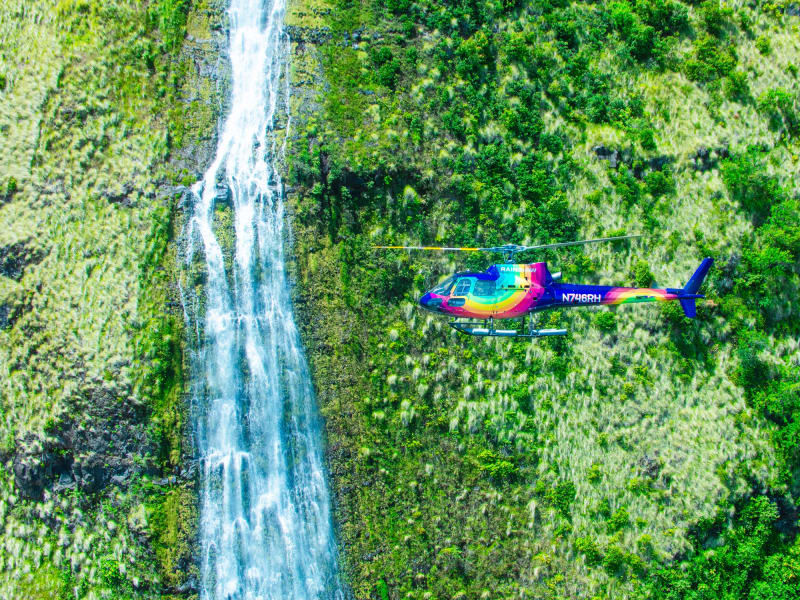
[265, 524]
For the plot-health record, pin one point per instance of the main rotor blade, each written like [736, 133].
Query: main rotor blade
[439, 248]
[510, 248]
[581, 242]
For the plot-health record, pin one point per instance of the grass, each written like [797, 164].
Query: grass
[92, 357]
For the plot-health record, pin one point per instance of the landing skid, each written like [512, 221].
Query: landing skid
[486, 328]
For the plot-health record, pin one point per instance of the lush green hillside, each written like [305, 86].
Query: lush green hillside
[104, 111]
[643, 455]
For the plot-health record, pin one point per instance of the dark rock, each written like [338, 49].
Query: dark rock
[601, 151]
[223, 196]
[121, 479]
[612, 156]
[118, 193]
[190, 586]
[309, 35]
[6, 318]
[657, 163]
[15, 257]
[65, 482]
[701, 159]
[29, 477]
[37, 464]
[650, 466]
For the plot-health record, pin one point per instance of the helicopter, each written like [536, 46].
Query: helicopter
[512, 290]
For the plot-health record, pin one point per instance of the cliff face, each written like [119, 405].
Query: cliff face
[588, 466]
[107, 112]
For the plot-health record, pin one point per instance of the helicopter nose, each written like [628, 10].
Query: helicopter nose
[423, 302]
[428, 302]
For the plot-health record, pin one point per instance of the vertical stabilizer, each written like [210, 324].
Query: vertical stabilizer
[699, 275]
[691, 287]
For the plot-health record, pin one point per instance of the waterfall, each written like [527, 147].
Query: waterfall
[265, 527]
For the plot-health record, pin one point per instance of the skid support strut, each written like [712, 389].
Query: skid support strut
[486, 328]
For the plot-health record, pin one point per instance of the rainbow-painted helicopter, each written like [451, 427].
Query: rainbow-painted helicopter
[516, 290]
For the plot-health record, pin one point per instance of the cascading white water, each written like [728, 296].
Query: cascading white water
[265, 524]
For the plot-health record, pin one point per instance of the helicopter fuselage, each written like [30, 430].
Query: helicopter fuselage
[506, 291]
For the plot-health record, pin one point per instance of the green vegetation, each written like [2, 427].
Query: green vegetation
[622, 460]
[96, 127]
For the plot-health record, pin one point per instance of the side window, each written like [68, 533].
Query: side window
[484, 288]
[462, 287]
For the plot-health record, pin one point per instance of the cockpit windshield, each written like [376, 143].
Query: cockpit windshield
[443, 289]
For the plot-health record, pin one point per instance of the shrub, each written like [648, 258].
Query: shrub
[626, 185]
[735, 86]
[562, 496]
[642, 276]
[387, 67]
[517, 48]
[614, 559]
[605, 321]
[647, 139]
[11, 186]
[713, 16]
[748, 184]
[763, 45]
[751, 372]
[495, 466]
[781, 107]
[710, 60]
[618, 520]
[666, 16]
[471, 55]
[170, 18]
[659, 183]
[588, 547]
[737, 568]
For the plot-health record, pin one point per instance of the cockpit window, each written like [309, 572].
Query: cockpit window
[463, 286]
[484, 288]
[443, 289]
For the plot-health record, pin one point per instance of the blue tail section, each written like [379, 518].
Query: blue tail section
[689, 308]
[697, 279]
[688, 294]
